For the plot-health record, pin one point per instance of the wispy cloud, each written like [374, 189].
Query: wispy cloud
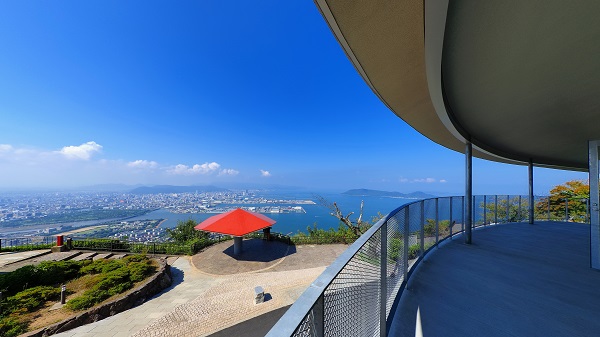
[83, 151]
[421, 180]
[265, 173]
[6, 148]
[229, 172]
[425, 180]
[142, 164]
[205, 168]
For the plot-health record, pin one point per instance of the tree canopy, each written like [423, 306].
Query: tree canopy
[577, 194]
[185, 232]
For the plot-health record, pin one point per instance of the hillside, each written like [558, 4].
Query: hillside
[176, 189]
[376, 193]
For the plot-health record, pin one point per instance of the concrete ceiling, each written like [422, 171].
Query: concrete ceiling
[519, 79]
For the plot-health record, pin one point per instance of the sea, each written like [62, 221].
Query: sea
[291, 223]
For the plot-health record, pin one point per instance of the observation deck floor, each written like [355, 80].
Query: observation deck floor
[514, 280]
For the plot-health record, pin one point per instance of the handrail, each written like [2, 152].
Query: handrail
[356, 293]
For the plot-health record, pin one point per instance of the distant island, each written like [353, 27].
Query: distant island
[176, 189]
[376, 193]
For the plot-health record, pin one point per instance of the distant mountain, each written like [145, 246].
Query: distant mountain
[176, 189]
[376, 193]
[108, 187]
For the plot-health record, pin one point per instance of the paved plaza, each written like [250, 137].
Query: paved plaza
[213, 290]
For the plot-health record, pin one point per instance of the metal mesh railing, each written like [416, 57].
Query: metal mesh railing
[355, 294]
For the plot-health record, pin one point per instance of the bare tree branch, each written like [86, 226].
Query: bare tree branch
[357, 227]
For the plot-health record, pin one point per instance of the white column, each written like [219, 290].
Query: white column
[468, 191]
[594, 202]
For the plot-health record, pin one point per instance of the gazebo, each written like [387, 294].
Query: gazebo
[236, 223]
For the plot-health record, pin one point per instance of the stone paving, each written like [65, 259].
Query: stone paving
[199, 303]
[11, 258]
[188, 284]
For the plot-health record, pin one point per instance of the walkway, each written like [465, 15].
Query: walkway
[514, 280]
[199, 304]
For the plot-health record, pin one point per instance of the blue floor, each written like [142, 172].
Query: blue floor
[514, 280]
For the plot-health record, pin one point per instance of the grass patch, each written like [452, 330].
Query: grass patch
[29, 291]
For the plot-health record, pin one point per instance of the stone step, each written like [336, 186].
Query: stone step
[62, 256]
[102, 256]
[85, 256]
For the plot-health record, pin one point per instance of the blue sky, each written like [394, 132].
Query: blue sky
[206, 92]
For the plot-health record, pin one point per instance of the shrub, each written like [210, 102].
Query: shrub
[140, 270]
[88, 299]
[10, 327]
[45, 273]
[102, 266]
[33, 298]
[114, 277]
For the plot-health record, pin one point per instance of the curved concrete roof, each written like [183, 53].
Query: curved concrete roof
[516, 78]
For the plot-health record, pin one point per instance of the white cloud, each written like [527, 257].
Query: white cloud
[5, 148]
[142, 164]
[229, 172]
[421, 180]
[425, 180]
[265, 173]
[83, 151]
[443, 181]
[205, 168]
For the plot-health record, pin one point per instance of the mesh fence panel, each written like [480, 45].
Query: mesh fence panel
[357, 286]
[430, 224]
[351, 300]
[307, 326]
[477, 210]
[414, 229]
[541, 210]
[395, 266]
[444, 217]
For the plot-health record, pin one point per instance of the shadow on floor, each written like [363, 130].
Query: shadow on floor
[176, 278]
[259, 250]
[254, 327]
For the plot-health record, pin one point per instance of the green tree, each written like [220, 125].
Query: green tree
[577, 192]
[185, 232]
[514, 213]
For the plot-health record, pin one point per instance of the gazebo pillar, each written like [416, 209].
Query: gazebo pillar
[237, 245]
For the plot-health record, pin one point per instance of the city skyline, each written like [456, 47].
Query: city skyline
[144, 93]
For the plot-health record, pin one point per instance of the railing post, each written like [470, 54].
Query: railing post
[318, 312]
[484, 209]
[422, 227]
[462, 222]
[508, 208]
[451, 220]
[520, 217]
[473, 207]
[383, 288]
[566, 210]
[437, 223]
[406, 234]
[496, 209]
[548, 208]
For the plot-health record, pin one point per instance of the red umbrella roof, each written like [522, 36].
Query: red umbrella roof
[237, 223]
